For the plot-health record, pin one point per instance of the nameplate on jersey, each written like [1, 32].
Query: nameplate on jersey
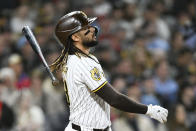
[95, 74]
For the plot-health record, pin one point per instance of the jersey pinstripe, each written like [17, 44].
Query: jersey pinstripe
[83, 77]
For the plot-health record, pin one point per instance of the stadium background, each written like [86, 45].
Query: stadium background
[146, 47]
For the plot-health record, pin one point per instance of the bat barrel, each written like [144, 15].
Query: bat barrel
[35, 46]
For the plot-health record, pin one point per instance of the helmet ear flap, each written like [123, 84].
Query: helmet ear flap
[96, 30]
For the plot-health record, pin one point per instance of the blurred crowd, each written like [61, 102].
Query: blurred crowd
[146, 48]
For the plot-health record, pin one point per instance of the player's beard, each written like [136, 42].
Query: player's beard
[90, 43]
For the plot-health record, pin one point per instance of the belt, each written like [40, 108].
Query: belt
[78, 128]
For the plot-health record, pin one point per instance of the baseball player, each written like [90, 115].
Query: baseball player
[89, 95]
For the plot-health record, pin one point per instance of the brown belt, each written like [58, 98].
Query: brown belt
[78, 128]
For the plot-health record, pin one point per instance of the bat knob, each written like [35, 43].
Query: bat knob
[55, 82]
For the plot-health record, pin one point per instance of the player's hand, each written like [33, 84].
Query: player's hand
[157, 113]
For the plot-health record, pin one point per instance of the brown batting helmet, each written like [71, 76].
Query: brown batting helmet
[70, 24]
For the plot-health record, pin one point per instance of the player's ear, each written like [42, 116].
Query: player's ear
[75, 37]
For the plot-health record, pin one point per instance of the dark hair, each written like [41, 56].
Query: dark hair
[68, 50]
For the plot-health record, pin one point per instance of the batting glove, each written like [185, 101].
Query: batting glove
[158, 113]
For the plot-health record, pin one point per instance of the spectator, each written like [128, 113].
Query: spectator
[177, 44]
[187, 28]
[129, 14]
[178, 122]
[141, 58]
[21, 19]
[57, 117]
[192, 11]
[132, 122]
[6, 44]
[15, 62]
[107, 57]
[184, 58]
[8, 87]
[30, 117]
[101, 8]
[187, 99]
[36, 88]
[61, 7]
[124, 68]
[31, 61]
[149, 96]
[165, 86]
[153, 25]
[119, 83]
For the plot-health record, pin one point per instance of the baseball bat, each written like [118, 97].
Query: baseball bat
[35, 46]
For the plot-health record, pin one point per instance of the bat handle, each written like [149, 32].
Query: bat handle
[55, 82]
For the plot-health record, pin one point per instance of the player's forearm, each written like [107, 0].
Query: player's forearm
[120, 101]
[123, 103]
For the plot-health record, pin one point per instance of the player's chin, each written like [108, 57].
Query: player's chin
[91, 43]
[94, 43]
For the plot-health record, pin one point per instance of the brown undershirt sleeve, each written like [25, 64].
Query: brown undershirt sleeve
[120, 101]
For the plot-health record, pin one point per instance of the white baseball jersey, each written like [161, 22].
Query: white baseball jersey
[84, 76]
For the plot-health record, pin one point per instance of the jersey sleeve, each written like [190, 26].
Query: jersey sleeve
[92, 75]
